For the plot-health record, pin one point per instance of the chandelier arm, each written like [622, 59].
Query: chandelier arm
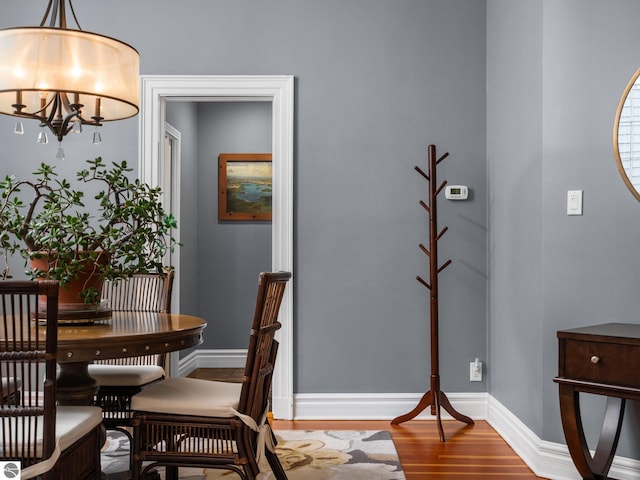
[55, 108]
[54, 15]
[59, 130]
[76, 106]
[43, 109]
[73, 12]
[58, 124]
[75, 111]
[63, 15]
[46, 13]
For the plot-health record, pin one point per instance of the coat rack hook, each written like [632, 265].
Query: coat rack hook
[442, 232]
[444, 155]
[421, 172]
[425, 206]
[445, 265]
[423, 283]
[424, 249]
[442, 185]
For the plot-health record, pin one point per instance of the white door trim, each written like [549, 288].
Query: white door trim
[277, 89]
[171, 185]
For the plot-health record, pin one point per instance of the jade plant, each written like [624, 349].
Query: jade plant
[46, 217]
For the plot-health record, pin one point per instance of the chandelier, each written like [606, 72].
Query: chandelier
[66, 78]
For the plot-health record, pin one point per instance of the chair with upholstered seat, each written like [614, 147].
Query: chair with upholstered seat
[50, 441]
[187, 422]
[119, 379]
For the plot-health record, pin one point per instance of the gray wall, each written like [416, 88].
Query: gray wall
[514, 156]
[555, 73]
[376, 82]
[230, 254]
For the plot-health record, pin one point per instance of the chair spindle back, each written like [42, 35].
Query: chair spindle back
[28, 350]
[141, 292]
[263, 346]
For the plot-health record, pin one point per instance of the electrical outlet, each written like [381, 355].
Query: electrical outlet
[475, 371]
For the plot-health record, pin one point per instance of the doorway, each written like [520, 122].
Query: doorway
[278, 90]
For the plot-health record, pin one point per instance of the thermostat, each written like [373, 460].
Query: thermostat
[456, 192]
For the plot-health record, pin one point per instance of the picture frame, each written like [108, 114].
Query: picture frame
[245, 186]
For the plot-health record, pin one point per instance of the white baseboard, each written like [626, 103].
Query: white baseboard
[546, 459]
[227, 358]
[379, 406]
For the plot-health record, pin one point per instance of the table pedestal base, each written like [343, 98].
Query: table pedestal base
[74, 385]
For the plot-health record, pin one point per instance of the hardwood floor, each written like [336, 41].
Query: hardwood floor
[469, 452]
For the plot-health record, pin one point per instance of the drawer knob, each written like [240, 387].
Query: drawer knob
[595, 359]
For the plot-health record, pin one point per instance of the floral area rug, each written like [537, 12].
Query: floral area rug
[304, 454]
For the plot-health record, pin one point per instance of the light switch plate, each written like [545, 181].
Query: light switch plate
[574, 202]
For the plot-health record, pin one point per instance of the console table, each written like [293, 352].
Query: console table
[602, 360]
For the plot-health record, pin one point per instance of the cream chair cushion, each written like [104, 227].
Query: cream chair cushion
[72, 423]
[125, 375]
[189, 396]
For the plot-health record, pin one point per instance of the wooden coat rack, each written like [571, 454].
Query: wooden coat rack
[434, 397]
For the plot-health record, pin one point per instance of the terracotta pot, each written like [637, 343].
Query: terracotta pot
[70, 304]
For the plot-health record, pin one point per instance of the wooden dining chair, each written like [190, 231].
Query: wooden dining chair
[182, 422]
[119, 379]
[49, 441]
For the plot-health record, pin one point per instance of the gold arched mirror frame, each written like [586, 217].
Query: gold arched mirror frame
[626, 135]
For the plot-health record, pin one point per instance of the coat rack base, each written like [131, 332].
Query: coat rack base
[436, 399]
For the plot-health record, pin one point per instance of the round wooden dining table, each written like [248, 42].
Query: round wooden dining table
[124, 334]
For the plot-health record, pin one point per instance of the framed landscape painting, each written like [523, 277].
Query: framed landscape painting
[245, 186]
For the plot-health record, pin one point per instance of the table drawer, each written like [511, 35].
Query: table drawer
[601, 362]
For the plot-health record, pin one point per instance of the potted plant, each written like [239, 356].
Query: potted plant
[124, 230]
